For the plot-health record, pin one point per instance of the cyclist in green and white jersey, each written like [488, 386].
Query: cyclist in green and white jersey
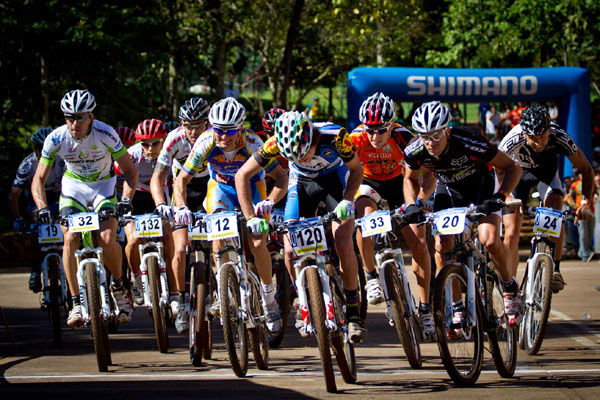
[87, 146]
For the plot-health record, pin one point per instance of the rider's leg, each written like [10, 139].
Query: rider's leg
[71, 243]
[555, 201]
[512, 233]
[180, 240]
[342, 234]
[365, 206]
[131, 249]
[489, 236]
[415, 238]
[112, 250]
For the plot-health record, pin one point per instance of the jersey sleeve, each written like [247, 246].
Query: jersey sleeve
[266, 155]
[196, 161]
[564, 141]
[52, 145]
[412, 153]
[344, 145]
[24, 172]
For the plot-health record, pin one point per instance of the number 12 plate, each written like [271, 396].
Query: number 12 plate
[548, 221]
[222, 225]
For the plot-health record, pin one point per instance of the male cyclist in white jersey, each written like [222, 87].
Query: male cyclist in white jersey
[87, 146]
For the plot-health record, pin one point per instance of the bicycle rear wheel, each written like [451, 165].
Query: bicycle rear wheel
[406, 325]
[537, 310]
[55, 294]
[211, 299]
[234, 329]
[158, 314]
[197, 316]
[98, 324]
[258, 334]
[461, 344]
[501, 337]
[317, 318]
[281, 279]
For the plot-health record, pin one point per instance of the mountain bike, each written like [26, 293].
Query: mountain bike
[468, 277]
[401, 309]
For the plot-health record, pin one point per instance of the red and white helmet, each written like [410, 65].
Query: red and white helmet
[150, 129]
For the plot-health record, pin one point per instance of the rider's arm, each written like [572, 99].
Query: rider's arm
[130, 173]
[161, 172]
[355, 178]
[37, 184]
[242, 186]
[281, 183]
[179, 188]
[580, 162]
[13, 201]
[411, 185]
[427, 184]
[510, 170]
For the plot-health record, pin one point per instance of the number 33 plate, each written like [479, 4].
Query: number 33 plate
[450, 221]
[375, 223]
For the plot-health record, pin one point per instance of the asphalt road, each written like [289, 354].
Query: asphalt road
[568, 365]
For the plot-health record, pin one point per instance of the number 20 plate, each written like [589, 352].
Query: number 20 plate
[450, 221]
[375, 223]
[148, 225]
[84, 222]
[308, 239]
[548, 221]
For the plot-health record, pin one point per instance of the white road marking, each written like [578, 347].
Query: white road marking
[578, 338]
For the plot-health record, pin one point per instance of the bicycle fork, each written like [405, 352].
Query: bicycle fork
[162, 266]
[530, 289]
[46, 280]
[101, 272]
[383, 265]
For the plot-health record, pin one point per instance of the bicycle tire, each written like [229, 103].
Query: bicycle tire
[97, 322]
[258, 334]
[536, 314]
[234, 329]
[343, 347]
[282, 296]
[158, 315]
[207, 346]
[403, 322]
[501, 337]
[317, 318]
[465, 369]
[54, 291]
[197, 313]
[362, 288]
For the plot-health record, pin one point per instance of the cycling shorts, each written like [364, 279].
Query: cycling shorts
[528, 181]
[76, 195]
[221, 196]
[142, 203]
[446, 196]
[390, 190]
[305, 194]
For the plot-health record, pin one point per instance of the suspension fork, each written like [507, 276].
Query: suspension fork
[159, 255]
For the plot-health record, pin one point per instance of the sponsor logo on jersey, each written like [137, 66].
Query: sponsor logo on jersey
[83, 156]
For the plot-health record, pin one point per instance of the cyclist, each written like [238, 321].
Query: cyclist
[536, 145]
[323, 167]
[22, 183]
[463, 162]
[171, 125]
[178, 145]
[380, 145]
[222, 150]
[151, 134]
[86, 145]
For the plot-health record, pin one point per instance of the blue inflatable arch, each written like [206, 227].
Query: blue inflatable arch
[569, 87]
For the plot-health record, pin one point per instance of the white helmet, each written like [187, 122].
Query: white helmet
[294, 132]
[227, 113]
[431, 117]
[77, 101]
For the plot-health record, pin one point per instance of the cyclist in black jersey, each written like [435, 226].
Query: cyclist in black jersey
[536, 145]
[463, 162]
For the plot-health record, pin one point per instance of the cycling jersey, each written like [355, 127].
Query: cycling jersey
[143, 165]
[223, 166]
[175, 151]
[88, 159]
[543, 164]
[384, 163]
[27, 168]
[334, 149]
[466, 156]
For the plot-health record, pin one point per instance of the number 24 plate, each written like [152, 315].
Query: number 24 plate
[548, 221]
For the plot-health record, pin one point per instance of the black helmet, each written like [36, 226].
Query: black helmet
[39, 136]
[194, 109]
[535, 120]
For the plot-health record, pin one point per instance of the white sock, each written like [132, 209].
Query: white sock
[268, 293]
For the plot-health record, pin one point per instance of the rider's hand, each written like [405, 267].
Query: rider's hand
[19, 224]
[264, 207]
[164, 211]
[258, 226]
[124, 206]
[493, 204]
[344, 210]
[44, 216]
[413, 214]
[183, 216]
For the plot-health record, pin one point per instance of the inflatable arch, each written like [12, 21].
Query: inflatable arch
[569, 87]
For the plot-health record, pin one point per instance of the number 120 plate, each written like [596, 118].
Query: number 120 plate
[308, 239]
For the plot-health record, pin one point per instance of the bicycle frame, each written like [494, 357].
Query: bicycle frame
[382, 266]
[158, 253]
[533, 259]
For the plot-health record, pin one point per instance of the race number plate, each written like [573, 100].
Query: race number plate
[222, 225]
[50, 233]
[120, 233]
[307, 238]
[84, 222]
[548, 221]
[375, 223]
[199, 231]
[450, 221]
[148, 225]
[277, 216]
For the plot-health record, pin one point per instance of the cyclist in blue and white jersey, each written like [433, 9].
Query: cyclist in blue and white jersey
[87, 146]
[323, 167]
[222, 150]
[22, 184]
[176, 148]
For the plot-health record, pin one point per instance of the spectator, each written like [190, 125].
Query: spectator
[553, 112]
[455, 115]
[481, 112]
[312, 111]
[585, 229]
[505, 122]
[597, 211]
[231, 92]
[514, 115]
[492, 123]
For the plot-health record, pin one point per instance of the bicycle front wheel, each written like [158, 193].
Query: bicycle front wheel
[317, 318]
[501, 337]
[406, 324]
[197, 323]
[234, 329]
[158, 314]
[55, 294]
[98, 324]
[281, 279]
[460, 342]
[258, 334]
[537, 310]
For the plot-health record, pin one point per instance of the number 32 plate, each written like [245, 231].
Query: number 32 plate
[450, 221]
[548, 221]
[307, 238]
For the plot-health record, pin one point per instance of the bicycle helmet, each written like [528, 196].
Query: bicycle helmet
[78, 101]
[294, 133]
[127, 135]
[171, 125]
[150, 129]
[39, 136]
[535, 120]
[431, 116]
[227, 113]
[194, 109]
[268, 121]
[377, 110]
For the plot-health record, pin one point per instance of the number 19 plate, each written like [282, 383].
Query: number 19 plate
[50, 233]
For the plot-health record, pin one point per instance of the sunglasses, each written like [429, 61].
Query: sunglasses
[78, 118]
[199, 125]
[381, 131]
[228, 132]
[436, 137]
[148, 144]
